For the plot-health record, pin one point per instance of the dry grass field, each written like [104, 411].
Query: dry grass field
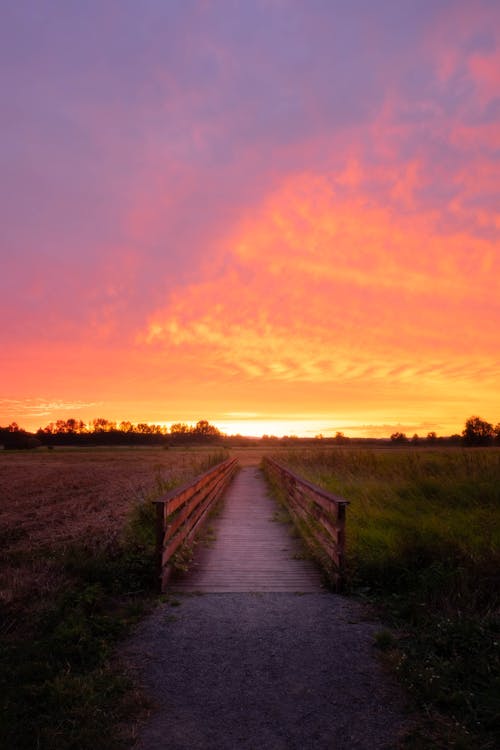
[77, 567]
[51, 499]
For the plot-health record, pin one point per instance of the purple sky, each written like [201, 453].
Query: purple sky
[143, 145]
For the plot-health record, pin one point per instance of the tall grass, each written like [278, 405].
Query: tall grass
[423, 536]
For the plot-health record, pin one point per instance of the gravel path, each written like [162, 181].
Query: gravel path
[271, 671]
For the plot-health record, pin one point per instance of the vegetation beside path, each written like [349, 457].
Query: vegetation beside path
[77, 568]
[423, 532]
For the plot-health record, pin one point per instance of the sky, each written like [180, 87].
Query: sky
[282, 216]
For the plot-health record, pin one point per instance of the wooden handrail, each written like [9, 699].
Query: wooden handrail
[318, 514]
[180, 512]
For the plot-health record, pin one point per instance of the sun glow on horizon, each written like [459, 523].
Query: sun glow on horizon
[257, 427]
[278, 427]
[303, 427]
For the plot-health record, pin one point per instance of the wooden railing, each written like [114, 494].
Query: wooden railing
[318, 514]
[180, 512]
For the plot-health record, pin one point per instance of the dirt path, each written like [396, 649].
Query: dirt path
[261, 670]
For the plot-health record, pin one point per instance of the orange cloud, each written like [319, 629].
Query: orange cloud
[323, 289]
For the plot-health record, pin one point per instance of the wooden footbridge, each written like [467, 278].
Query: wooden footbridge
[251, 549]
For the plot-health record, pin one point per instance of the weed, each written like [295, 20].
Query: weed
[384, 640]
[183, 558]
[281, 516]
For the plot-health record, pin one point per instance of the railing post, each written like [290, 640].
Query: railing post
[339, 583]
[160, 535]
[319, 515]
[180, 511]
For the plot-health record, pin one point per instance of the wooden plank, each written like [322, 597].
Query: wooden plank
[184, 495]
[329, 506]
[250, 551]
[313, 487]
[196, 497]
[160, 534]
[318, 514]
[193, 521]
[321, 513]
[194, 501]
[327, 544]
[195, 514]
[185, 491]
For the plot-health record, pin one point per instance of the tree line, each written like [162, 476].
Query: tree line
[105, 432]
[476, 432]
[99, 431]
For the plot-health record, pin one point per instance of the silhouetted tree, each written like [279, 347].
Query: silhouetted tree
[399, 437]
[478, 432]
[205, 430]
[14, 437]
[179, 428]
[340, 438]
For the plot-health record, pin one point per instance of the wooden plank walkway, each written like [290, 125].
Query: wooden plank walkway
[251, 552]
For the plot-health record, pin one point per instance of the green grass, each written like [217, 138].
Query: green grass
[62, 687]
[423, 541]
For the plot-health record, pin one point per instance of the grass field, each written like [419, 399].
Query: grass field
[423, 541]
[76, 567]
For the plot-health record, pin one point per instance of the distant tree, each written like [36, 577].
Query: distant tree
[20, 440]
[205, 429]
[478, 432]
[14, 437]
[126, 427]
[70, 426]
[102, 425]
[415, 439]
[340, 438]
[179, 428]
[496, 430]
[399, 437]
[431, 437]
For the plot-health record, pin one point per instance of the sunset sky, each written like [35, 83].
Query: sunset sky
[282, 216]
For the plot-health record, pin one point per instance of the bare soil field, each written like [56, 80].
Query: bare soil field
[50, 499]
[77, 568]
